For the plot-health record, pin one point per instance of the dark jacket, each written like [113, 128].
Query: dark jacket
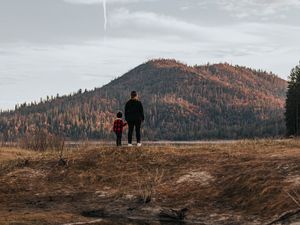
[134, 110]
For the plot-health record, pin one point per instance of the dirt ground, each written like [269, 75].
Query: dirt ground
[245, 182]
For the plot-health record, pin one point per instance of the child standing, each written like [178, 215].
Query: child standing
[118, 128]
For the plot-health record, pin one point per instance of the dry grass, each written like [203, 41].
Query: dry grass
[7, 154]
[247, 179]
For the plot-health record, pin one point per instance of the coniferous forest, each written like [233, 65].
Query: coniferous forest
[181, 102]
[292, 106]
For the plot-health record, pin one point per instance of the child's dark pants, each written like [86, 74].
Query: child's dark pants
[119, 139]
[137, 125]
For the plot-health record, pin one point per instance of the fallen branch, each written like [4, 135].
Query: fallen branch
[297, 203]
[285, 216]
[84, 223]
[172, 214]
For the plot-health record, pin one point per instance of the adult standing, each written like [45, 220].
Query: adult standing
[134, 115]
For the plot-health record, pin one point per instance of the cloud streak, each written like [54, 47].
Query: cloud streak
[105, 15]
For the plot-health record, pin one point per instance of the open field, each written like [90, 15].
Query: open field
[244, 182]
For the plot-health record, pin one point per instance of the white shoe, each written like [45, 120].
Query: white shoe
[130, 145]
[139, 144]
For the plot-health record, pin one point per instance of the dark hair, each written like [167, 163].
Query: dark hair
[119, 115]
[133, 94]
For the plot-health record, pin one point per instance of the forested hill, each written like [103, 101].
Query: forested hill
[181, 103]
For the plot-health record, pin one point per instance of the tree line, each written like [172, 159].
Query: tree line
[181, 103]
[292, 112]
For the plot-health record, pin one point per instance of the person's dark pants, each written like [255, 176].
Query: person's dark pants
[119, 139]
[137, 125]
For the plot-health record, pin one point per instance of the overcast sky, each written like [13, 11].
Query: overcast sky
[59, 46]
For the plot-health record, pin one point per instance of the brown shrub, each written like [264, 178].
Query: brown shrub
[147, 185]
[41, 141]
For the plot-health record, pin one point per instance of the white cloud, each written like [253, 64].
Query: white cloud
[192, 31]
[97, 62]
[101, 1]
[261, 8]
[162, 25]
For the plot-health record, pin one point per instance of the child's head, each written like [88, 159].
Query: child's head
[119, 115]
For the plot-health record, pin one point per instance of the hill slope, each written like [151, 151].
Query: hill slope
[181, 103]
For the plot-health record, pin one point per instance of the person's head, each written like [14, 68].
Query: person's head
[119, 115]
[133, 94]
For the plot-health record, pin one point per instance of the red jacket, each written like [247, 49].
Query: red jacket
[118, 126]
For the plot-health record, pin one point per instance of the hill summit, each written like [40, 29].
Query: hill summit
[181, 102]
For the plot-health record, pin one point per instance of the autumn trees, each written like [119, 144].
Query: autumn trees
[181, 103]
